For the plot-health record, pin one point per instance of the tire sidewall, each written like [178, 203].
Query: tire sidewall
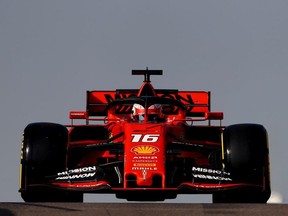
[246, 153]
[43, 151]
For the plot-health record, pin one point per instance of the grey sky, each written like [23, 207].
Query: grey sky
[51, 52]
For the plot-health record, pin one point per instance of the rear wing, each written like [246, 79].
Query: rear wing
[197, 102]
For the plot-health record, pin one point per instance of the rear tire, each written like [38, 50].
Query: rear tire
[43, 154]
[246, 157]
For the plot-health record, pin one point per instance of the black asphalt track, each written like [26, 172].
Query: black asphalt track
[141, 209]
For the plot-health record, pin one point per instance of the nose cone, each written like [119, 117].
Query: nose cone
[145, 149]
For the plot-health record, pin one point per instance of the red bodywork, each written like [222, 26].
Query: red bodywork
[113, 153]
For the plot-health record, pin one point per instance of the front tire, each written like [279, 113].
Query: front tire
[246, 157]
[43, 154]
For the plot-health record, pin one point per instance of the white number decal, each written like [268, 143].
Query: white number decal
[145, 138]
[150, 138]
[136, 137]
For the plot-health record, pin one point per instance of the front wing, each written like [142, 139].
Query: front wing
[111, 177]
[92, 180]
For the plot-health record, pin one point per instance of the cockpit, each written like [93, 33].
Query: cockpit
[146, 109]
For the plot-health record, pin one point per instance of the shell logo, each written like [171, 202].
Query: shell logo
[145, 150]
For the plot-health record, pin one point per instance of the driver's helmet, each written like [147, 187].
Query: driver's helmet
[154, 112]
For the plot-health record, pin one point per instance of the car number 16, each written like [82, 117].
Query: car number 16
[149, 138]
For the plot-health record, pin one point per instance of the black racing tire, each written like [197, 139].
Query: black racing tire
[43, 154]
[246, 157]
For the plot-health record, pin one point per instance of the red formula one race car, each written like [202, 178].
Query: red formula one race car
[145, 145]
